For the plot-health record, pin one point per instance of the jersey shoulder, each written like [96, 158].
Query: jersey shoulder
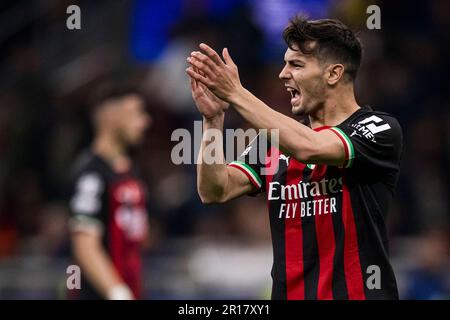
[371, 123]
[88, 162]
[366, 115]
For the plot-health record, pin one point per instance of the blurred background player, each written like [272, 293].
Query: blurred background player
[108, 200]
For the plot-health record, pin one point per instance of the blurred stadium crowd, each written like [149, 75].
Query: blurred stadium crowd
[197, 251]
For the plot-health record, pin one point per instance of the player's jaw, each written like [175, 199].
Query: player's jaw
[135, 135]
[300, 99]
[306, 95]
[131, 130]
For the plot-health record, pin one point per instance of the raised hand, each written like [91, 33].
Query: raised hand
[207, 103]
[221, 77]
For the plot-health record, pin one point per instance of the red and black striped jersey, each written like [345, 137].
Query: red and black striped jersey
[114, 205]
[328, 223]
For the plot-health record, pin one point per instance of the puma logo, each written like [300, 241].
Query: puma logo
[285, 158]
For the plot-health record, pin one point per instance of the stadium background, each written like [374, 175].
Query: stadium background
[196, 251]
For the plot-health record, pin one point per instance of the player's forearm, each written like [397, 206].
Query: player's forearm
[294, 138]
[211, 176]
[99, 270]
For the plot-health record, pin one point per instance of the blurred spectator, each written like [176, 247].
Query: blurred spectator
[428, 278]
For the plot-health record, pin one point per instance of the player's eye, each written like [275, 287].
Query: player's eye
[296, 65]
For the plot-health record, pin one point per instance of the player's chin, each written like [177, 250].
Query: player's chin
[298, 110]
[136, 140]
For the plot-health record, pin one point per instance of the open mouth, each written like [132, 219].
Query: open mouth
[295, 94]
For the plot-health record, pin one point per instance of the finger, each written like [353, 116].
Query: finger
[211, 53]
[198, 77]
[199, 84]
[227, 57]
[200, 72]
[205, 59]
[193, 83]
[199, 65]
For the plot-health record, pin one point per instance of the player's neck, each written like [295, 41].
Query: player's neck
[335, 110]
[112, 151]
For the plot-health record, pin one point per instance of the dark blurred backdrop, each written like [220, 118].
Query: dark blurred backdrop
[198, 251]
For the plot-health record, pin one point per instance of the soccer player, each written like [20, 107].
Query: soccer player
[108, 200]
[328, 201]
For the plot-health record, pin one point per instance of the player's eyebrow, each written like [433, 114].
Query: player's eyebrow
[295, 60]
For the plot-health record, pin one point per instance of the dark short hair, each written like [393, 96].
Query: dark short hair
[334, 41]
[108, 91]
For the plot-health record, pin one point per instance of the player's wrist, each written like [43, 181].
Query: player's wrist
[239, 95]
[214, 118]
[120, 292]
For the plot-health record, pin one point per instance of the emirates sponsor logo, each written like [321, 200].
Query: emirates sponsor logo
[133, 221]
[130, 214]
[304, 191]
[128, 192]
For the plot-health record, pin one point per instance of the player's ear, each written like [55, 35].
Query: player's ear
[334, 73]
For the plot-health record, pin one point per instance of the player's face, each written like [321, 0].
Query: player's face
[134, 120]
[303, 77]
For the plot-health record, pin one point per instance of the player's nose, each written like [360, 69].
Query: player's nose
[284, 74]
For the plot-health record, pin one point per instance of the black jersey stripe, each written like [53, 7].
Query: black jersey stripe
[370, 234]
[294, 236]
[310, 250]
[339, 284]
[325, 208]
[277, 227]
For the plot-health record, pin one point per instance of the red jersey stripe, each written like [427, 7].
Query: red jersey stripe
[352, 264]
[325, 241]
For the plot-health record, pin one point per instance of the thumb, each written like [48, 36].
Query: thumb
[227, 57]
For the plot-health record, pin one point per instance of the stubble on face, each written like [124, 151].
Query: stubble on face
[303, 76]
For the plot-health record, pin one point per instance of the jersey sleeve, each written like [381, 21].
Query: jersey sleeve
[371, 142]
[86, 201]
[252, 162]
